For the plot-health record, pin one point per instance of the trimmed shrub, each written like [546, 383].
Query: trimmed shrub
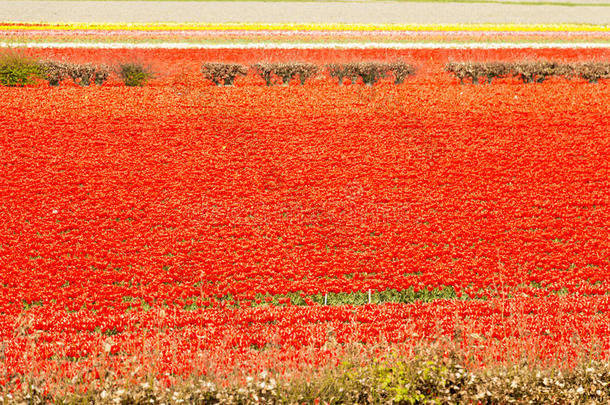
[101, 74]
[291, 70]
[341, 71]
[538, 72]
[83, 75]
[19, 70]
[495, 70]
[55, 72]
[265, 70]
[475, 71]
[462, 70]
[401, 71]
[223, 73]
[306, 71]
[285, 72]
[528, 71]
[592, 71]
[370, 72]
[134, 74]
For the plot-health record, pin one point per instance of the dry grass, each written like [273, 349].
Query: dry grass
[441, 370]
[436, 373]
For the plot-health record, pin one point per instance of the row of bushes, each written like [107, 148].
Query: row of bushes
[528, 72]
[285, 72]
[18, 70]
[371, 72]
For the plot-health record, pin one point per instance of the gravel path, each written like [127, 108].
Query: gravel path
[297, 12]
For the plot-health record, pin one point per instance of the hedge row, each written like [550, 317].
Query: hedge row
[284, 72]
[18, 70]
[528, 72]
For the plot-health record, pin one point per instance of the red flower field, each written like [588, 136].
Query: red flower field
[194, 228]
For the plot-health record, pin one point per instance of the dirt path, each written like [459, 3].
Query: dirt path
[297, 12]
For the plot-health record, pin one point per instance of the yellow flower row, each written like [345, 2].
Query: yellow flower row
[305, 27]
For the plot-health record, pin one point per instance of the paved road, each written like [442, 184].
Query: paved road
[297, 12]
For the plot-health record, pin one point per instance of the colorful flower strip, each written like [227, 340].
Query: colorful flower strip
[312, 34]
[304, 27]
[20, 41]
[315, 45]
[301, 35]
[244, 36]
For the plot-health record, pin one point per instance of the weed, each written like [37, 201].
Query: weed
[431, 374]
[134, 74]
[19, 70]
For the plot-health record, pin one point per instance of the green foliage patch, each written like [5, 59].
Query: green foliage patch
[134, 74]
[19, 70]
